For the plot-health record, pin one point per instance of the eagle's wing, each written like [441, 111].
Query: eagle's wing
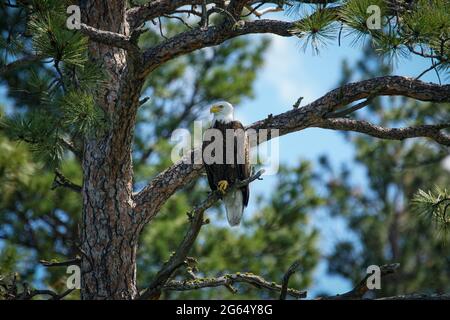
[212, 179]
[243, 169]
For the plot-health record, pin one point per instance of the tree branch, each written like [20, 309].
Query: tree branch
[419, 296]
[109, 38]
[429, 131]
[197, 38]
[196, 222]
[49, 264]
[228, 280]
[24, 61]
[136, 16]
[202, 37]
[356, 107]
[236, 6]
[11, 291]
[149, 200]
[62, 181]
[284, 287]
[360, 290]
[28, 295]
[71, 147]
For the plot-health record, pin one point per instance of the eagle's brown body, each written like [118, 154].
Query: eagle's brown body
[239, 168]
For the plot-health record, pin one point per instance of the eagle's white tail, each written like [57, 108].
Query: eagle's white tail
[234, 204]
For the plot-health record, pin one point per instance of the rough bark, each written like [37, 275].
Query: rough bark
[108, 239]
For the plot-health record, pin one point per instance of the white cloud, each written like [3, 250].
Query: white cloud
[284, 71]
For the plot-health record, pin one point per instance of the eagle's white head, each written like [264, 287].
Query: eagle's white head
[223, 111]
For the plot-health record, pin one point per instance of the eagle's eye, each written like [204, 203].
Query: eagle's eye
[216, 108]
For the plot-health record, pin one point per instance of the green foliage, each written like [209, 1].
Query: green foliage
[61, 91]
[12, 47]
[428, 22]
[52, 39]
[382, 213]
[420, 27]
[355, 16]
[80, 113]
[434, 205]
[39, 130]
[87, 78]
[317, 29]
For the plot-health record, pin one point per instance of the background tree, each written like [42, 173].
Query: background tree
[87, 100]
[383, 214]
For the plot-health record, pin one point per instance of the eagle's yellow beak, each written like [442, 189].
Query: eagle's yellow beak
[215, 109]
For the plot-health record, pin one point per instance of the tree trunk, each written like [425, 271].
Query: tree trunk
[109, 231]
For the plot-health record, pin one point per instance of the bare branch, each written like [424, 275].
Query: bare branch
[196, 222]
[284, 287]
[12, 290]
[361, 289]
[229, 280]
[356, 107]
[136, 16]
[62, 181]
[22, 62]
[429, 131]
[419, 296]
[28, 295]
[49, 264]
[154, 195]
[236, 6]
[260, 13]
[71, 146]
[433, 67]
[109, 38]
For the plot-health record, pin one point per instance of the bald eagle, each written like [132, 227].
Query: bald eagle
[227, 168]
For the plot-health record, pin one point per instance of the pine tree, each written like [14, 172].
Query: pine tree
[85, 99]
[392, 219]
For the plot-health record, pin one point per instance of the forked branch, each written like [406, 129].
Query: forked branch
[230, 279]
[196, 222]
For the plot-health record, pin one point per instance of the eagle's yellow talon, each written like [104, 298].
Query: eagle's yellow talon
[222, 185]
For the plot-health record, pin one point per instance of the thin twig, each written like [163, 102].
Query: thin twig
[62, 181]
[284, 287]
[428, 69]
[49, 264]
[161, 30]
[343, 113]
